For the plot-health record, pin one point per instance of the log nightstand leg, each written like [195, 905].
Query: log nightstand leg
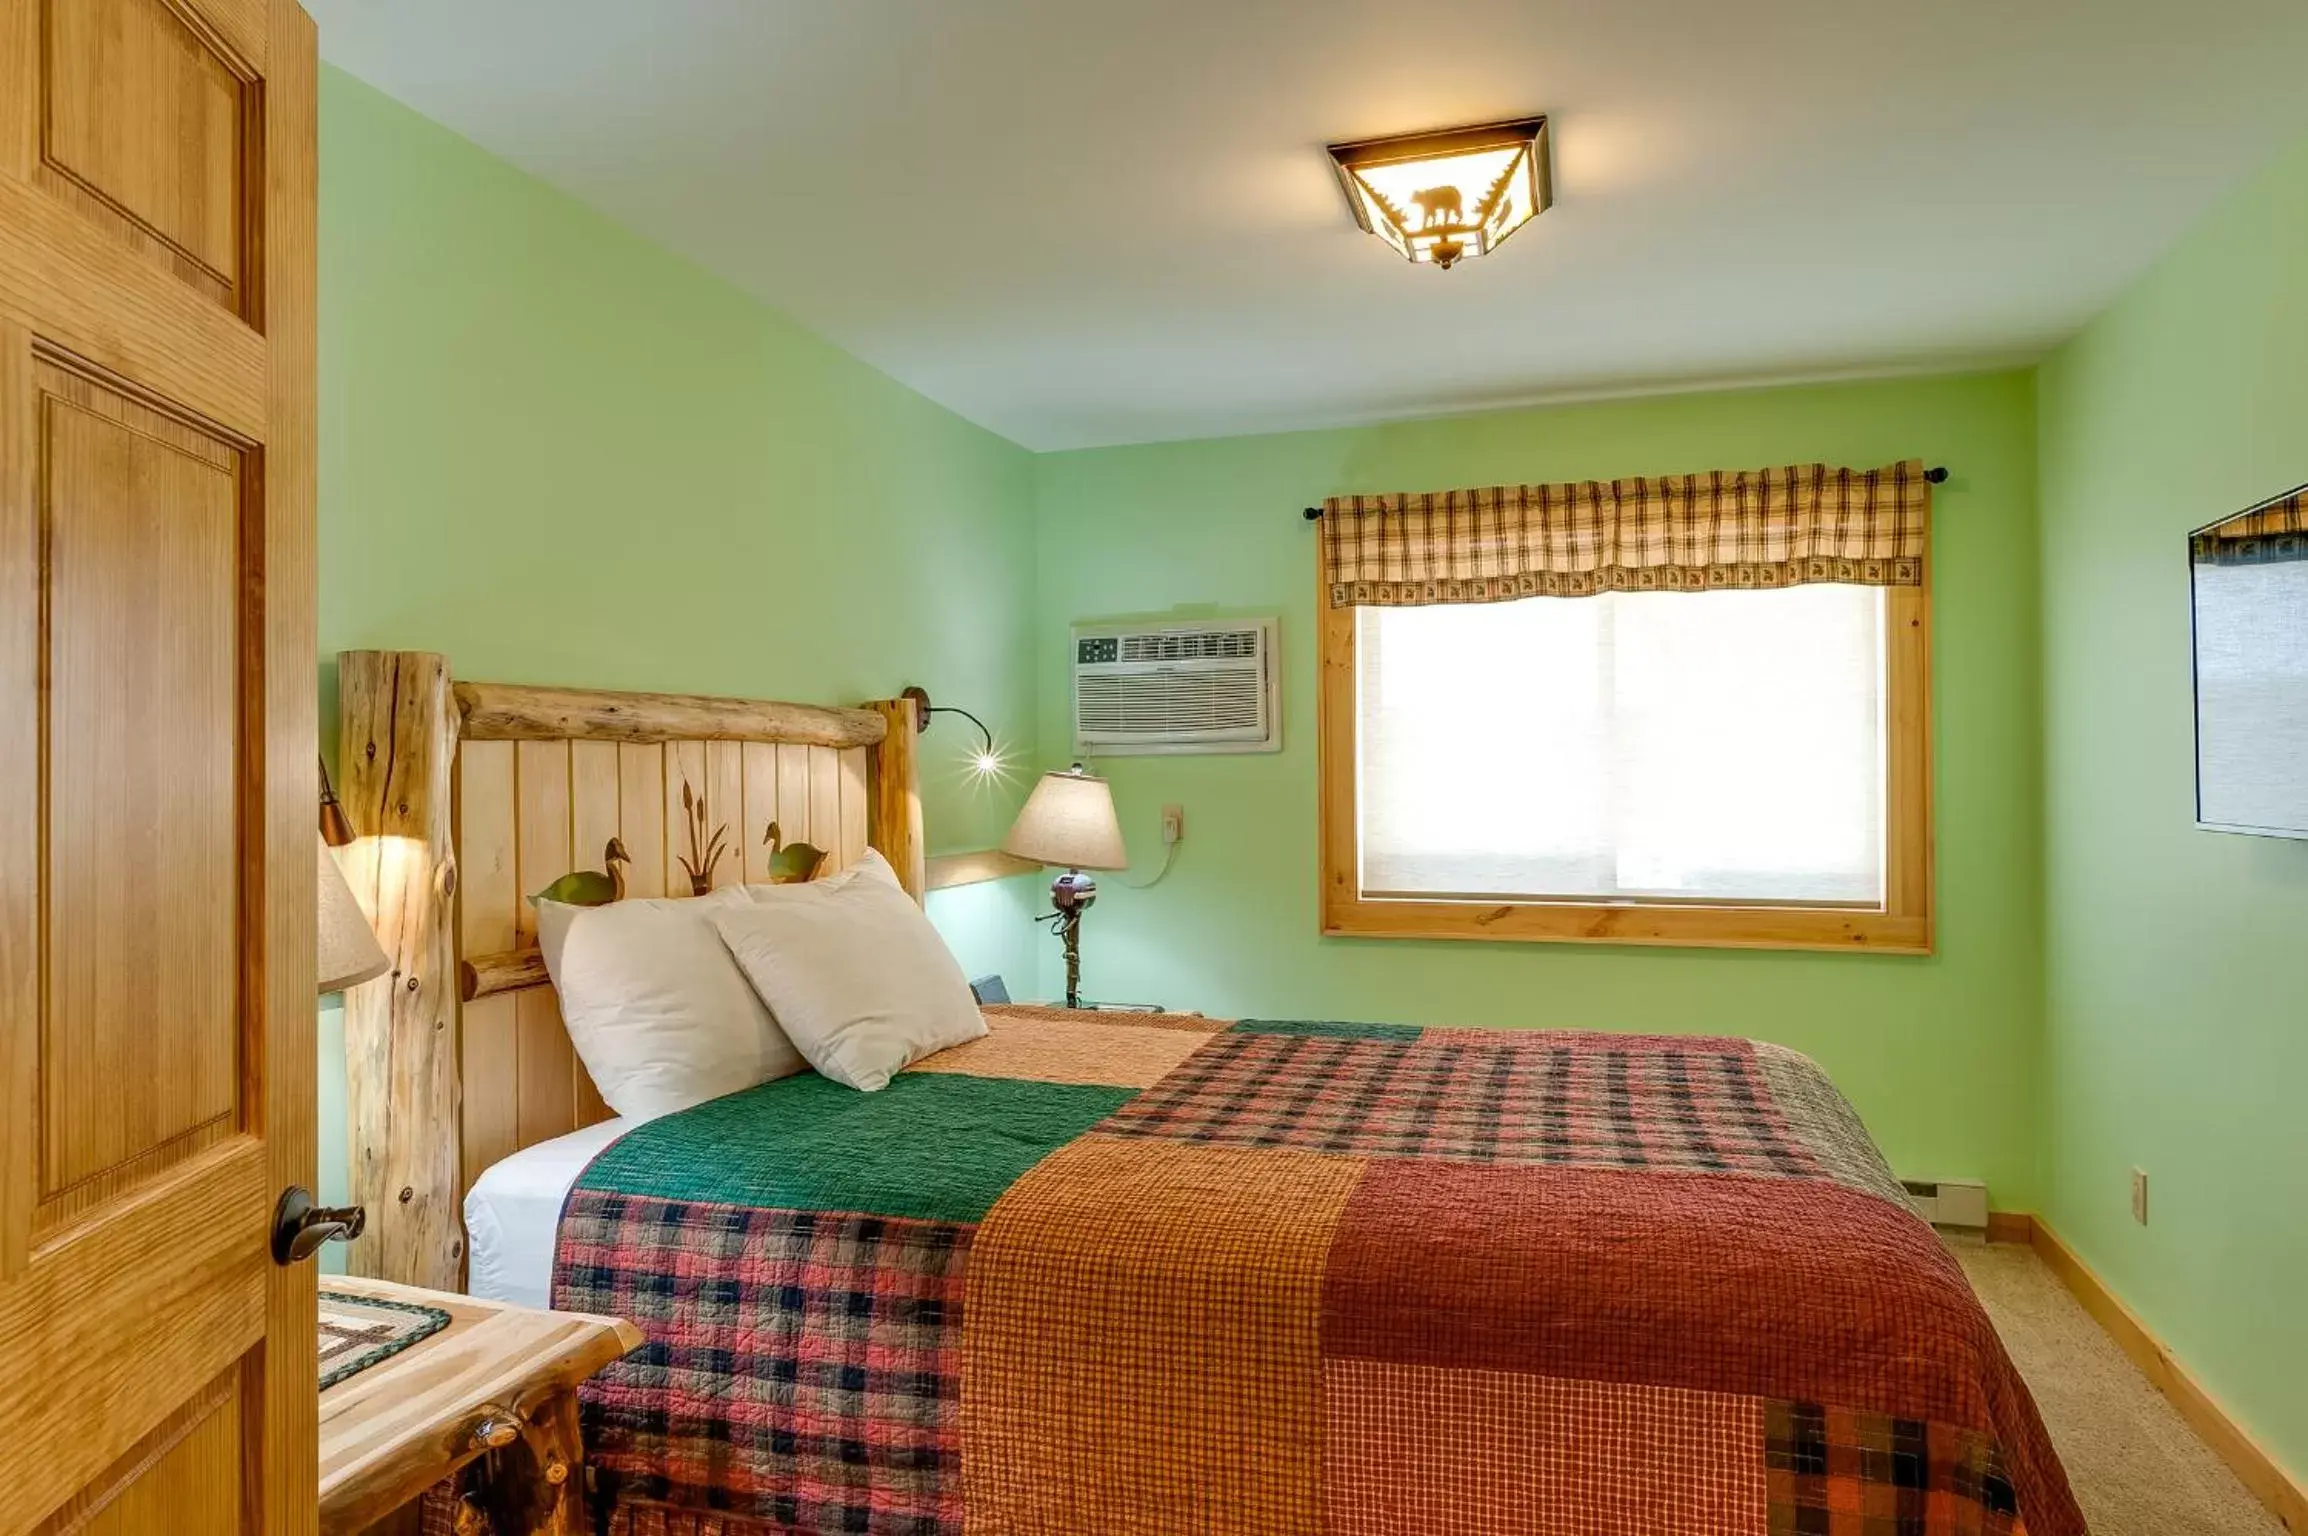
[560, 1466]
[532, 1483]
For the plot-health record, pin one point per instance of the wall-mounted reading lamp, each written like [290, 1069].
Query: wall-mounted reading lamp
[988, 760]
[345, 948]
[336, 830]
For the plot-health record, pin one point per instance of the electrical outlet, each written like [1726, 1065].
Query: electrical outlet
[2140, 1196]
[1173, 824]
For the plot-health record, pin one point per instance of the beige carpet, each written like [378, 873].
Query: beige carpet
[2137, 1469]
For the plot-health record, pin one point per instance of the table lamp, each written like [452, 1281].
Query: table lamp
[1069, 822]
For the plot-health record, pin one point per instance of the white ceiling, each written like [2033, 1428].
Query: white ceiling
[1083, 222]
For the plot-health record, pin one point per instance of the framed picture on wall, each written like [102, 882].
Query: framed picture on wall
[2248, 582]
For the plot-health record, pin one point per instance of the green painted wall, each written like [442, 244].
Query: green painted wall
[2177, 960]
[557, 453]
[1939, 1053]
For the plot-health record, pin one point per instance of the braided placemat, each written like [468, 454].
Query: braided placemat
[358, 1331]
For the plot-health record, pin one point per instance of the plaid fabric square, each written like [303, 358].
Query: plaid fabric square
[1834, 1472]
[1761, 528]
[1042, 1048]
[1695, 1104]
[1425, 1452]
[1710, 1282]
[799, 1367]
[1819, 1116]
[1144, 1352]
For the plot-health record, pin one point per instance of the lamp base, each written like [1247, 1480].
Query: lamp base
[1070, 896]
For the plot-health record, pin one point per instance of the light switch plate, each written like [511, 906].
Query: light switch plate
[2140, 1196]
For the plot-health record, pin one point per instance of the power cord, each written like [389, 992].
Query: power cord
[1169, 856]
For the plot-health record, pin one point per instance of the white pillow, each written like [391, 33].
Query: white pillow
[659, 1013]
[855, 974]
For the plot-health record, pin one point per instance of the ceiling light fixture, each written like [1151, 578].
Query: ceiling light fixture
[1439, 198]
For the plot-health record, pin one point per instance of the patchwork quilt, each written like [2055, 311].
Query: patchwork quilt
[1151, 1274]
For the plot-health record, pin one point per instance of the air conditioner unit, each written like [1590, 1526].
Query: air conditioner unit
[1212, 686]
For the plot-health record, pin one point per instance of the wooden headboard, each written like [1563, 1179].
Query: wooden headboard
[467, 797]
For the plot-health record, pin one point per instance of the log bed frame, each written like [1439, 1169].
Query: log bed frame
[463, 798]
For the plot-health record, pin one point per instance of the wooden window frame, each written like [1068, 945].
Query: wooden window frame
[1903, 926]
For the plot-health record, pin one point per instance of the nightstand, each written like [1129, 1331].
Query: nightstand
[499, 1381]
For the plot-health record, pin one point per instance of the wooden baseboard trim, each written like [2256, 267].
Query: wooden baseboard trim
[2268, 1480]
[2011, 1227]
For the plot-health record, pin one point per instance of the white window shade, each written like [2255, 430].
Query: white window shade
[1680, 746]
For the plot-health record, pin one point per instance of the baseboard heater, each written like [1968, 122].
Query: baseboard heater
[1949, 1202]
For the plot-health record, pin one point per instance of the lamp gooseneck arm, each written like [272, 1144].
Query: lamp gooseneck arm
[951, 709]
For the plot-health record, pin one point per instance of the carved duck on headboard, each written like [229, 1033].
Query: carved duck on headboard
[790, 863]
[591, 887]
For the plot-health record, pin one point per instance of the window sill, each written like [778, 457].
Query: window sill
[1710, 927]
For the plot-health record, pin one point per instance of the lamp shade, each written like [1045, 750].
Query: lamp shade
[346, 946]
[1069, 820]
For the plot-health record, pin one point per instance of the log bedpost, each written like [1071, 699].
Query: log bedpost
[397, 748]
[897, 795]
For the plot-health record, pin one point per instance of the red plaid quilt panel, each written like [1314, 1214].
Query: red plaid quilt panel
[801, 1368]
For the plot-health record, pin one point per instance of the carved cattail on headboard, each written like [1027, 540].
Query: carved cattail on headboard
[705, 849]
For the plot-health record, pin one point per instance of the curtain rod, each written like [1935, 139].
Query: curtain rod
[1937, 475]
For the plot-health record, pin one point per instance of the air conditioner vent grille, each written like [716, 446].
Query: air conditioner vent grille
[1199, 645]
[1169, 703]
[1186, 688]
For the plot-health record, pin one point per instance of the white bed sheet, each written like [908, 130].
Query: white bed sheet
[514, 1209]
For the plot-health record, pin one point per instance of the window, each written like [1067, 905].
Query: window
[1743, 768]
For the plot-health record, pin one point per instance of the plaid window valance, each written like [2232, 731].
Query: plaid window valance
[2269, 535]
[1678, 533]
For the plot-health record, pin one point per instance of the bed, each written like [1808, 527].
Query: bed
[1097, 1273]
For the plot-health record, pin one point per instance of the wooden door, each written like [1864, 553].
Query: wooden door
[157, 787]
